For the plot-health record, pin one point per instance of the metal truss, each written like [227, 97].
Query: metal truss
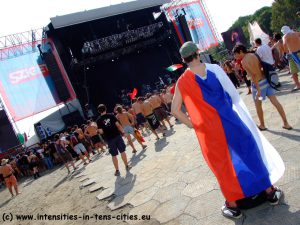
[15, 45]
[211, 21]
[206, 11]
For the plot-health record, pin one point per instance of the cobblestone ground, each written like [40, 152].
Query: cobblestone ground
[171, 182]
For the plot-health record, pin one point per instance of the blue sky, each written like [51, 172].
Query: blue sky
[22, 15]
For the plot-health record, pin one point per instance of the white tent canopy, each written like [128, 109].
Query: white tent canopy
[256, 32]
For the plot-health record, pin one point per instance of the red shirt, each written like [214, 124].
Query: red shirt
[239, 62]
[172, 89]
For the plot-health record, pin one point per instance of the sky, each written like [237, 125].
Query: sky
[23, 15]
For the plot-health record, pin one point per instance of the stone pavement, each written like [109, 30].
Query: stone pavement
[171, 182]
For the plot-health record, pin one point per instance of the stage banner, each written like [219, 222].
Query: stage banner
[233, 37]
[198, 21]
[26, 85]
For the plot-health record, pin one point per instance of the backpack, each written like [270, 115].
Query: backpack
[270, 73]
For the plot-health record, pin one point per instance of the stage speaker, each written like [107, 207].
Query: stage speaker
[73, 118]
[59, 82]
[8, 137]
[185, 28]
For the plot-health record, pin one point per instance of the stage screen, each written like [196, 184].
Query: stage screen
[198, 22]
[26, 85]
[233, 37]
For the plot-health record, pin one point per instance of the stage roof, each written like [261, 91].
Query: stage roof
[94, 14]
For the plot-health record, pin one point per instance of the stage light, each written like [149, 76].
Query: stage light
[117, 40]
[112, 60]
[156, 15]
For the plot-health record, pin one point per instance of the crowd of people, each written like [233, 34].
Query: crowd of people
[145, 115]
[280, 53]
[274, 53]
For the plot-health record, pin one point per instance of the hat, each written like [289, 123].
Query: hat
[188, 49]
[286, 29]
[4, 162]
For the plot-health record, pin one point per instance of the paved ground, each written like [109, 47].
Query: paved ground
[171, 182]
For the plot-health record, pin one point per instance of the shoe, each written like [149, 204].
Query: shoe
[117, 173]
[231, 212]
[278, 85]
[134, 151]
[128, 167]
[275, 196]
[295, 89]
[262, 129]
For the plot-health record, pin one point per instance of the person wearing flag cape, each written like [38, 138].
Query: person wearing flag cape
[243, 161]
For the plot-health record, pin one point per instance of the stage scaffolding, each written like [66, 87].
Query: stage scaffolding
[15, 45]
[206, 11]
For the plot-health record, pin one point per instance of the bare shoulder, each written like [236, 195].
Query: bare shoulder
[250, 58]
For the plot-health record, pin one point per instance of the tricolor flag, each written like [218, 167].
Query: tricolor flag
[241, 158]
[174, 67]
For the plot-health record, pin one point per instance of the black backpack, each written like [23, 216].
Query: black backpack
[269, 72]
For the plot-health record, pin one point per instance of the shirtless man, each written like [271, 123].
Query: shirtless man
[291, 45]
[127, 122]
[147, 111]
[82, 138]
[260, 87]
[278, 52]
[137, 108]
[10, 180]
[167, 96]
[92, 132]
[158, 110]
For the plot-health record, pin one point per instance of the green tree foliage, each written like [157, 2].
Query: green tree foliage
[263, 17]
[284, 13]
[219, 53]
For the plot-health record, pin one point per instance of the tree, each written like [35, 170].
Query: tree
[219, 53]
[263, 17]
[284, 13]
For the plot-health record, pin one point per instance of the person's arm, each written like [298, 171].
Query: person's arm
[284, 46]
[120, 128]
[131, 119]
[258, 52]
[176, 108]
[10, 168]
[100, 131]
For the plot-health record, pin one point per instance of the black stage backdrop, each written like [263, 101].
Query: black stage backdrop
[8, 138]
[106, 81]
[103, 80]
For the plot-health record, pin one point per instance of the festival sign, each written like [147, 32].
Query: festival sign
[26, 85]
[198, 22]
